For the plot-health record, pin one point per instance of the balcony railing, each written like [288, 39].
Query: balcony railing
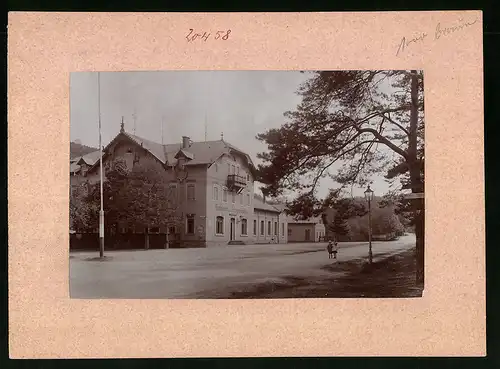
[236, 182]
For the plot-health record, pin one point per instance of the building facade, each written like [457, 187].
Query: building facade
[309, 230]
[212, 183]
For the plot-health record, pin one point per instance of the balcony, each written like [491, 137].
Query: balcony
[236, 183]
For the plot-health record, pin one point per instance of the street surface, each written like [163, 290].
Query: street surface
[209, 272]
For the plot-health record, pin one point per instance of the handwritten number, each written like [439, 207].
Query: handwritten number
[189, 34]
[226, 36]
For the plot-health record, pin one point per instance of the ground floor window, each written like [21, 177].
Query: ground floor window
[275, 228]
[282, 229]
[244, 227]
[262, 227]
[254, 227]
[219, 225]
[171, 230]
[190, 224]
[269, 228]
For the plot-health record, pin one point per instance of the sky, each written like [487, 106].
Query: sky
[239, 104]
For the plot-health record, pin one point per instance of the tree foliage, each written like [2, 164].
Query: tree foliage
[346, 118]
[137, 198]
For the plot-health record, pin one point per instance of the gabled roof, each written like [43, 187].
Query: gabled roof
[185, 153]
[261, 205]
[89, 159]
[198, 153]
[73, 168]
[153, 147]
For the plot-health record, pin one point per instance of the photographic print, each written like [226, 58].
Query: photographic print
[246, 184]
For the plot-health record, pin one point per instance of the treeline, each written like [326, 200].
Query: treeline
[348, 219]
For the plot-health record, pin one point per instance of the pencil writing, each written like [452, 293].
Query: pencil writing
[205, 36]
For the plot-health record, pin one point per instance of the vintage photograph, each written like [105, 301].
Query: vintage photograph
[246, 184]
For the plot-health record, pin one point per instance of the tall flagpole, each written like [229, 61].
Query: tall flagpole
[101, 170]
[162, 129]
[135, 118]
[206, 126]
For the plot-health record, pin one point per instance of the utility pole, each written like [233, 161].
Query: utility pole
[101, 170]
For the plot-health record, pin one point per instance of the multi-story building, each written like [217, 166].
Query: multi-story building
[213, 182]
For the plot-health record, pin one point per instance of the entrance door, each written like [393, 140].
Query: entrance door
[233, 226]
[308, 234]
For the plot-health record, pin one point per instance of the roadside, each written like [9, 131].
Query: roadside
[387, 278]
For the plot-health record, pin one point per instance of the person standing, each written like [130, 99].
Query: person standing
[330, 249]
[335, 249]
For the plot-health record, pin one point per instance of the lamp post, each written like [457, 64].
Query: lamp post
[369, 198]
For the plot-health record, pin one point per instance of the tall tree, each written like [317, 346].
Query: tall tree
[366, 122]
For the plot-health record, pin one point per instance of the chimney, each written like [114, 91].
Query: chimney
[185, 142]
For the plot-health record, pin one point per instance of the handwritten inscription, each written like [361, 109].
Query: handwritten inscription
[405, 43]
[205, 36]
[439, 32]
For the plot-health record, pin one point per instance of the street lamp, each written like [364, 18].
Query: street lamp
[369, 198]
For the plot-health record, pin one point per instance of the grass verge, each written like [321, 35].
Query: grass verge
[392, 277]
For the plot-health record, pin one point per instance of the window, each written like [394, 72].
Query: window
[216, 193]
[190, 224]
[244, 229]
[289, 232]
[248, 177]
[241, 198]
[154, 230]
[233, 197]
[216, 167]
[234, 169]
[171, 230]
[268, 227]
[224, 194]
[228, 168]
[219, 225]
[238, 170]
[248, 199]
[254, 227]
[262, 227]
[282, 229]
[172, 192]
[191, 191]
[275, 228]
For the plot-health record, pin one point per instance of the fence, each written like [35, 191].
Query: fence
[127, 241]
